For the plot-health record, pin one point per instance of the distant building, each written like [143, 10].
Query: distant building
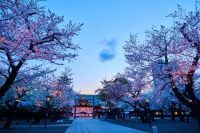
[86, 106]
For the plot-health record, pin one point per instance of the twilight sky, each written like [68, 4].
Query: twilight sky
[107, 25]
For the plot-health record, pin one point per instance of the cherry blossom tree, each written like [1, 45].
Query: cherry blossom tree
[178, 48]
[114, 90]
[29, 32]
[20, 91]
[31, 91]
[126, 91]
[62, 90]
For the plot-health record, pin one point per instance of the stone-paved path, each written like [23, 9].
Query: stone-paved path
[88, 125]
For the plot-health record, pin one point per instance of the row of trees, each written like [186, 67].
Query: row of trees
[31, 39]
[163, 69]
[43, 93]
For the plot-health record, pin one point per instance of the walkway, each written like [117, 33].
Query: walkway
[98, 126]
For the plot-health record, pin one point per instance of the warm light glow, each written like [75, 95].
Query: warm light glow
[176, 113]
[83, 111]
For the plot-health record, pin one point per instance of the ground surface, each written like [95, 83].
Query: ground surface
[35, 130]
[97, 126]
[24, 127]
[102, 126]
[163, 126]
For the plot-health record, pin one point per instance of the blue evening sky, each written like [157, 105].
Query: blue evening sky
[107, 25]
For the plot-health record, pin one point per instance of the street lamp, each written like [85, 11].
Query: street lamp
[48, 99]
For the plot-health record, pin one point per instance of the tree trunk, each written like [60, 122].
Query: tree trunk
[182, 119]
[188, 117]
[162, 116]
[172, 115]
[181, 115]
[10, 114]
[9, 119]
[6, 86]
[199, 121]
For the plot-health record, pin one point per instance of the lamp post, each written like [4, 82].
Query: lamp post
[75, 109]
[93, 113]
[106, 108]
[48, 99]
[148, 112]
